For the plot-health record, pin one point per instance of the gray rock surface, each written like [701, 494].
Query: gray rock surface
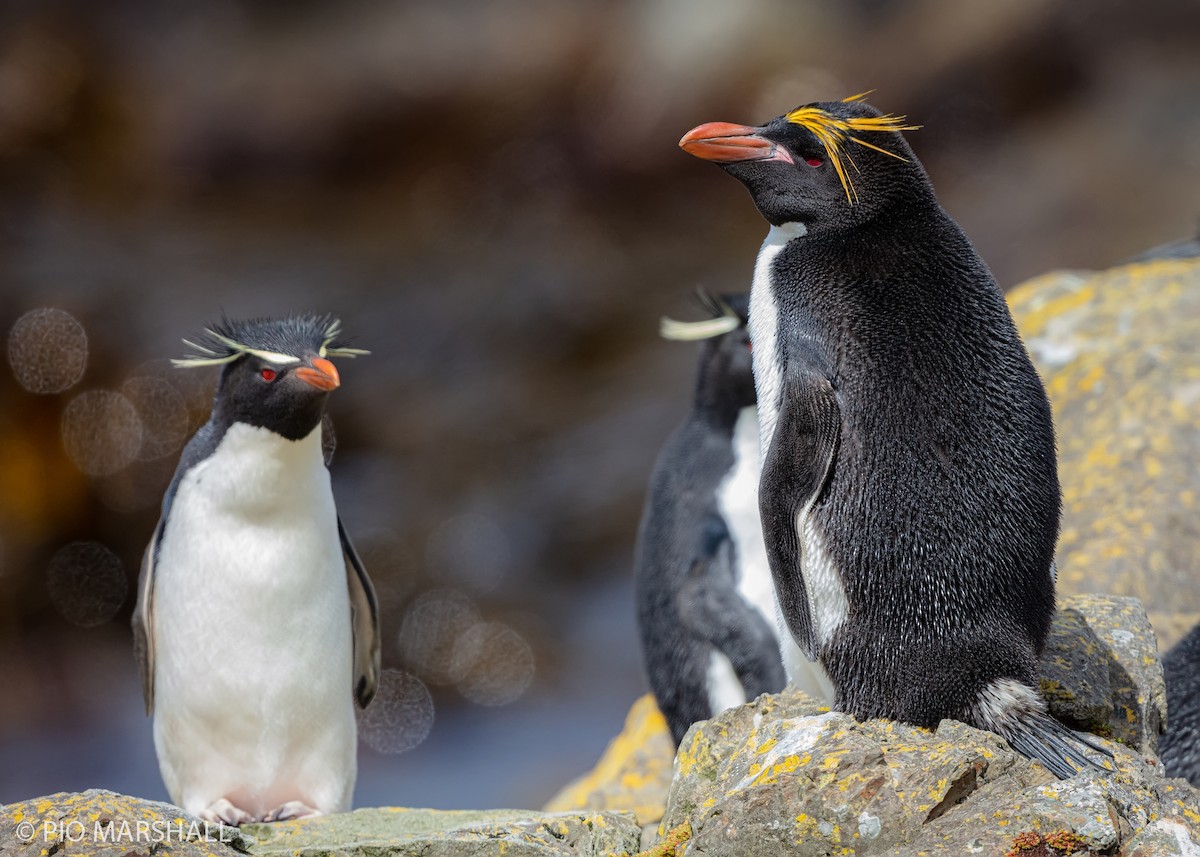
[100, 823]
[783, 775]
[1100, 670]
[1163, 838]
[433, 833]
[1117, 350]
[104, 824]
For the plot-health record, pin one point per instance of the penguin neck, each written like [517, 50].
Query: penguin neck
[764, 327]
[780, 234]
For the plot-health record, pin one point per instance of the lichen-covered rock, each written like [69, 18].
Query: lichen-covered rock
[1163, 838]
[782, 776]
[633, 775]
[433, 833]
[1119, 353]
[105, 824]
[1100, 670]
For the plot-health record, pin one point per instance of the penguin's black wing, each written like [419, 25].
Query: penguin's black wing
[795, 470]
[364, 622]
[711, 609]
[143, 619]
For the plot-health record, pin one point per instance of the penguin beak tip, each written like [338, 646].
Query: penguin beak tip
[322, 374]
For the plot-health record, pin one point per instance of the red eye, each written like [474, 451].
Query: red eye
[813, 162]
[268, 374]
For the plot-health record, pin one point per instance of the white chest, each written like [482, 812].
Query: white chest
[250, 562]
[764, 330]
[737, 500]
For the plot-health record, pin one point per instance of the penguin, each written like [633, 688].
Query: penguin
[909, 490]
[256, 626]
[1179, 748]
[705, 599]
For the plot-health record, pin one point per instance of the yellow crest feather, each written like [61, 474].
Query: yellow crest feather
[832, 132]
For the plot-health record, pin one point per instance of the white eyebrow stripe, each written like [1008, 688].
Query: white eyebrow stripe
[272, 356]
[344, 352]
[269, 356]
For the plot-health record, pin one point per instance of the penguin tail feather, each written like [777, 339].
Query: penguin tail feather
[1017, 713]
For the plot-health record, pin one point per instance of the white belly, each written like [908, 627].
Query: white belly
[252, 627]
[725, 690]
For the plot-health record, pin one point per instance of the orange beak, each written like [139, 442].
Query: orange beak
[725, 143]
[323, 375]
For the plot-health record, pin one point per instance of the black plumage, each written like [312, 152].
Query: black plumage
[1179, 749]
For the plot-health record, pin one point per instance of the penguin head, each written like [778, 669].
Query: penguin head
[829, 165]
[275, 373]
[726, 374]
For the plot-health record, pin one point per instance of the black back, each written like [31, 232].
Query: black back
[1180, 747]
[685, 561]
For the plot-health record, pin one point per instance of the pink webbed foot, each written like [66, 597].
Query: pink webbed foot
[223, 812]
[292, 810]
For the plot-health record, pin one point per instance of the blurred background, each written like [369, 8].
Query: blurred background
[490, 196]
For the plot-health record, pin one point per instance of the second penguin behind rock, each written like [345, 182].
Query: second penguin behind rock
[705, 599]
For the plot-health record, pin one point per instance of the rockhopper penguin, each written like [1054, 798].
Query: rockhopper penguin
[256, 626]
[909, 490]
[705, 599]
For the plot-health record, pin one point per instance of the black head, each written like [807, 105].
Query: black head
[831, 165]
[725, 378]
[275, 373]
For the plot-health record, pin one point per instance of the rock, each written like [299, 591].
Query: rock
[633, 775]
[1100, 670]
[1163, 838]
[1118, 352]
[105, 824]
[1100, 673]
[785, 776]
[433, 833]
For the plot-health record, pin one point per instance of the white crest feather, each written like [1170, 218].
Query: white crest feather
[693, 331]
[342, 352]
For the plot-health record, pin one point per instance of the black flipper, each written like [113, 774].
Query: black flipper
[711, 609]
[795, 471]
[143, 618]
[364, 623]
